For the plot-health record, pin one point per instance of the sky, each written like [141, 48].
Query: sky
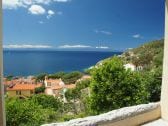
[101, 25]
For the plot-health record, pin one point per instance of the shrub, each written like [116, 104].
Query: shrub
[40, 89]
[153, 84]
[71, 78]
[26, 113]
[47, 101]
[41, 77]
[57, 75]
[113, 87]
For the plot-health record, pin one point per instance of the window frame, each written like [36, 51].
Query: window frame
[164, 91]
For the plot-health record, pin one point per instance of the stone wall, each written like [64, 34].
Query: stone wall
[128, 116]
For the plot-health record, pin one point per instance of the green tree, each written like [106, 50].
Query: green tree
[153, 84]
[26, 113]
[57, 75]
[47, 101]
[113, 87]
[83, 84]
[40, 89]
[9, 78]
[71, 78]
[41, 77]
[158, 59]
[74, 94]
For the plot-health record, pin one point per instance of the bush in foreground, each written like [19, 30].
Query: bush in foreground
[47, 101]
[26, 113]
[113, 87]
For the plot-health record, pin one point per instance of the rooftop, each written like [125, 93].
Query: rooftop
[16, 87]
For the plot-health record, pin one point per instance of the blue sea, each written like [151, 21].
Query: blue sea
[25, 63]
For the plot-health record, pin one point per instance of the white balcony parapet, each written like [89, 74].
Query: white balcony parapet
[159, 122]
[128, 116]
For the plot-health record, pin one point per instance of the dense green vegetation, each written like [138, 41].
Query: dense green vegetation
[113, 87]
[76, 93]
[41, 77]
[9, 77]
[150, 56]
[71, 78]
[47, 101]
[153, 82]
[68, 78]
[26, 112]
[39, 109]
[40, 89]
[79, 95]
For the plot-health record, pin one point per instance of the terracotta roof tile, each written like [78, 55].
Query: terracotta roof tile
[23, 87]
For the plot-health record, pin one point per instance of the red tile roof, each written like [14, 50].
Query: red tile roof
[23, 87]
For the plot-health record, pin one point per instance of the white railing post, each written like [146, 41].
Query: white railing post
[164, 91]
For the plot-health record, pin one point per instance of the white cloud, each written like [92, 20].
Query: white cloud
[82, 46]
[24, 46]
[41, 1]
[37, 10]
[30, 2]
[35, 7]
[103, 32]
[137, 36]
[74, 46]
[102, 47]
[27, 2]
[61, 1]
[50, 14]
[14, 4]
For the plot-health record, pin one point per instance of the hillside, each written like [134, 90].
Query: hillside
[149, 55]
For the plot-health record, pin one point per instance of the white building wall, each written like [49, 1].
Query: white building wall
[130, 66]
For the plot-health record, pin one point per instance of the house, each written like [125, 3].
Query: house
[53, 86]
[56, 87]
[20, 86]
[130, 66]
[133, 67]
[21, 90]
[20, 80]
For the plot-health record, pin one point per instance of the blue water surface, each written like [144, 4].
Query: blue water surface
[24, 63]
